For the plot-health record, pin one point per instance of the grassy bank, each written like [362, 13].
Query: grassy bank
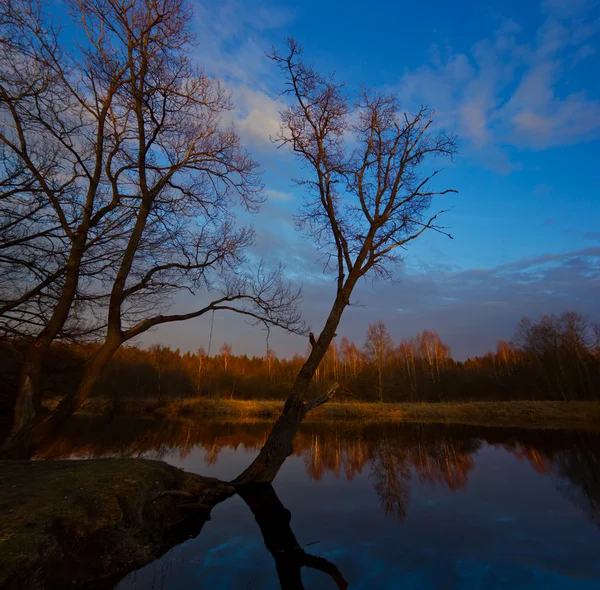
[88, 523]
[523, 414]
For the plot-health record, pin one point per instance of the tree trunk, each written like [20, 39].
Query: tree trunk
[25, 443]
[278, 446]
[28, 406]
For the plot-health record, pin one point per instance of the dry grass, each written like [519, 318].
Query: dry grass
[524, 414]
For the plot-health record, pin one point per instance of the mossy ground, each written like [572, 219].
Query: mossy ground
[85, 523]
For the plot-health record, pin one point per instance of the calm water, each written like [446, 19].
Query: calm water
[396, 506]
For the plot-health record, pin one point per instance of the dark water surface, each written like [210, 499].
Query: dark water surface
[391, 506]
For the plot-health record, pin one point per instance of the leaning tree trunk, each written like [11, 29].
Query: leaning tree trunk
[278, 446]
[28, 406]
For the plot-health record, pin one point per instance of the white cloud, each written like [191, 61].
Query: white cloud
[507, 92]
[232, 39]
[278, 195]
[256, 116]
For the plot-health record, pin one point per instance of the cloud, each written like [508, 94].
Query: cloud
[541, 119]
[232, 39]
[278, 195]
[504, 92]
[566, 8]
[583, 52]
[470, 308]
[256, 116]
[233, 36]
[507, 92]
[592, 236]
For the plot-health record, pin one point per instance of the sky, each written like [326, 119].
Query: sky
[517, 82]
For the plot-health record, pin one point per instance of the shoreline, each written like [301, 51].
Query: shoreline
[88, 523]
[518, 414]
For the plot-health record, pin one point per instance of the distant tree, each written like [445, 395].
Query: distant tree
[225, 354]
[160, 355]
[379, 347]
[506, 358]
[201, 354]
[407, 351]
[367, 193]
[562, 347]
[270, 359]
[433, 352]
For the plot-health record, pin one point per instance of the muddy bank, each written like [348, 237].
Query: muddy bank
[74, 524]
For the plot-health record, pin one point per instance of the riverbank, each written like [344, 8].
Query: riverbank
[86, 524]
[522, 414]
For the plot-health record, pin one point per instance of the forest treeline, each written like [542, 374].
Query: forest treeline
[550, 358]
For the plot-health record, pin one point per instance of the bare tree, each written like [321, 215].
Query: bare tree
[379, 347]
[225, 353]
[367, 196]
[202, 357]
[160, 354]
[408, 352]
[270, 359]
[54, 132]
[562, 347]
[155, 170]
[432, 352]
[351, 359]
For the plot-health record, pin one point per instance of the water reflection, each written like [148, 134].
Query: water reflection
[393, 455]
[391, 505]
[580, 471]
[274, 521]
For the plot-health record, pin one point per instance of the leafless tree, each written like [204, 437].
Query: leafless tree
[55, 131]
[368, 191]
[225, 353]
[201, 354]
[562, 347]
[432, 352]
[379, 347]
[142, 188]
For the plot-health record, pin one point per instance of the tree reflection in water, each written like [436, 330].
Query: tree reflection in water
[391, 454]
[579, 469]
[274, 522]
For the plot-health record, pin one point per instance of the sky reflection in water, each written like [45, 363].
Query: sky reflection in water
[398, 506]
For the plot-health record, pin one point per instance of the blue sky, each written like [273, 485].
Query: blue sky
[516, 81]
